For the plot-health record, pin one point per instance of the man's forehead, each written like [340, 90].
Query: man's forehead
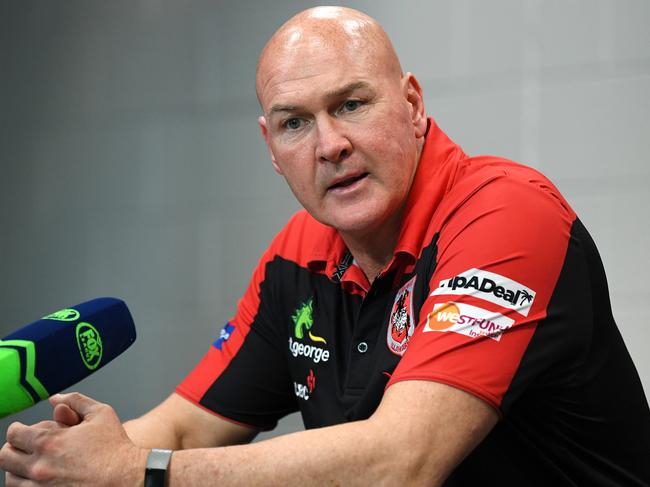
[322, 41]
[292, 101]
[318, 70]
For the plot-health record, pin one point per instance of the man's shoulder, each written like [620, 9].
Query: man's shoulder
[302, 228]
[301, 238]
[494, 168]
[494, 181]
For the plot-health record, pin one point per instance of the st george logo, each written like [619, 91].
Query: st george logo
[90, 345]
[67, 314]
[303, 321]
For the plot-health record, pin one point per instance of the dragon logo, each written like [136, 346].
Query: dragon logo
[303, 321]
[401, 322]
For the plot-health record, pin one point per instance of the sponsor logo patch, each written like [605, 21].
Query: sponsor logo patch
[312, 352]
[304, 391]
[401, 323]
[467, 320]
[224, 335]
[491, 287]
[303, 321]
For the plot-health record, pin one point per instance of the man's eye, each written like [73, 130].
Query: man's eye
[293, 123]
[351, 105]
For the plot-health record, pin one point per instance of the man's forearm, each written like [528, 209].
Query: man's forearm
[403, 443]
[177, 424]
[351, 454]
[150, 431]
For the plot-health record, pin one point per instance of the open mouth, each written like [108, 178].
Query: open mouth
[349, 181]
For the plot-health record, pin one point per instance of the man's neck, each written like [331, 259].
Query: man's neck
[373, 251]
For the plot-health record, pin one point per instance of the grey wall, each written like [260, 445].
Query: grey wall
[131, 162]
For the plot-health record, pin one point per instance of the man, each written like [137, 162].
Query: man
[437, 319]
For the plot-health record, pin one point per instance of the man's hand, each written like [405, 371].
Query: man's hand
[84, 445]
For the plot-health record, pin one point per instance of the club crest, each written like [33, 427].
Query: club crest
[401, 323]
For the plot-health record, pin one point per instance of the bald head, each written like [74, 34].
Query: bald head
[343, 124]
[344, 32]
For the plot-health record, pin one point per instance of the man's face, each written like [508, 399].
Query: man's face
[340, 127]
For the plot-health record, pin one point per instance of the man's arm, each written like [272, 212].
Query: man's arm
[420, 432]
[177, 424]
[417, 436]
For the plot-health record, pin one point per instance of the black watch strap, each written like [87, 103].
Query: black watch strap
[156, 472]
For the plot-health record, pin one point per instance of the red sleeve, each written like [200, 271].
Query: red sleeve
[500, 252]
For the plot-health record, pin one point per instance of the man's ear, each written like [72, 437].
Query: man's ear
[265, 133]
[413, 94]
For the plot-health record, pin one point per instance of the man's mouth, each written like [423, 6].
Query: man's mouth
[348, 181]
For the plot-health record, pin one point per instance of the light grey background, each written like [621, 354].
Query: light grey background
[132, 166]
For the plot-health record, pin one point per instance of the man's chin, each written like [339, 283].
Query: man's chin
[354, 223]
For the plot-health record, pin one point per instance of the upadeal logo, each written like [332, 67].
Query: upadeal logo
[491, 287]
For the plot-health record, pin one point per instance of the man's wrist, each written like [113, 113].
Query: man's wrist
[155, 474]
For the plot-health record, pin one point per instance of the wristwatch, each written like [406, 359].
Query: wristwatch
[155, 473]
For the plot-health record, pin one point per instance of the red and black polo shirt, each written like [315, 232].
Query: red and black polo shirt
[495, 287]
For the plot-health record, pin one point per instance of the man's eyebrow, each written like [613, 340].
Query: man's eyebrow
[282, 108]
[347, 89]
[341, 92]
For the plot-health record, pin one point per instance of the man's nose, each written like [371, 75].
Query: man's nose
[332, 145]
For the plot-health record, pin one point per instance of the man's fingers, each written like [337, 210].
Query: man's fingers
[47, 425]
[14, 462]
[65, 415]
[22, 437]
[82, 405]
[12, 480]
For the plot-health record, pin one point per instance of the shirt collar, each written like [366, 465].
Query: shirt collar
[433, 178]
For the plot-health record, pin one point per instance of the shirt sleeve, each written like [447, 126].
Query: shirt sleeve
[501, 251]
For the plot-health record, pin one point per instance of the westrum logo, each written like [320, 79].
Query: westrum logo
[304, 320]
[90, 345]
[67, 314]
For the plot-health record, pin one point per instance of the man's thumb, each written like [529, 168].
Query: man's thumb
[78, 403]
[63, 414]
